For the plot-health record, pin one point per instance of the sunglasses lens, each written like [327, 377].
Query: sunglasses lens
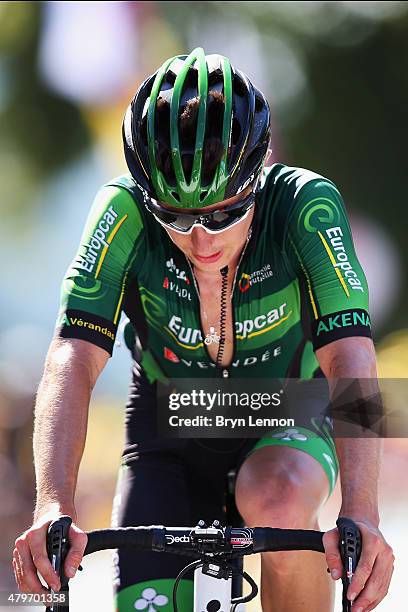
[216, 221]
[221, 219]
[181, 223]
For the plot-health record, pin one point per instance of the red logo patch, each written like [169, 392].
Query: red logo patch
[170, 356]
[166, 283]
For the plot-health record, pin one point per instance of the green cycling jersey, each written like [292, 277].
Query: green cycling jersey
[298, 285]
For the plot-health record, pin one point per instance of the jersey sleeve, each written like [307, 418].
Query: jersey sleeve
[320, 247]
[93, 288]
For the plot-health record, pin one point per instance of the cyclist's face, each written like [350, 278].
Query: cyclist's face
[211, 252]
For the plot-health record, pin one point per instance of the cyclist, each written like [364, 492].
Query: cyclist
[224, 268]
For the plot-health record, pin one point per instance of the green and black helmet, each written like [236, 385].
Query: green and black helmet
[196, 132]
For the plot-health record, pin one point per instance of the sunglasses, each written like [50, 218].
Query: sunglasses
[213, 222]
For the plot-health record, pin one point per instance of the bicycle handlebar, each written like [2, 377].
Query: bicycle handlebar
[215, 543]
[271, 539]
[229, 540]
[122, 537]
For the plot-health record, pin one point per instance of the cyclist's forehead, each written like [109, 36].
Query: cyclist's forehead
[222, 204]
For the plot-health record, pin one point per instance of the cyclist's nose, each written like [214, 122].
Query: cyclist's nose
[201, 239]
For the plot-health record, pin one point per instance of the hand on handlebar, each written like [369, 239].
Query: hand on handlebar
[30, 556]
[372, 577]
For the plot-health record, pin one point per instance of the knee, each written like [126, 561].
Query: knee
[280, 501]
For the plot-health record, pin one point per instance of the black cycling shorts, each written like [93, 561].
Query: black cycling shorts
[173, 482]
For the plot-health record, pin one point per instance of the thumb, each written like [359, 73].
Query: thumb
[77, 540]
[333, 558]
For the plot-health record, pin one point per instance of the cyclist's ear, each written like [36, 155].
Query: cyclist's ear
[333, 558]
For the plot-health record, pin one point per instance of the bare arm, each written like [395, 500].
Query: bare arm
[61, 415]
[359, 459]
[354, 358]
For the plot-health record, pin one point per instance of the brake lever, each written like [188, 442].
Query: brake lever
[350, 551]
[57, 550]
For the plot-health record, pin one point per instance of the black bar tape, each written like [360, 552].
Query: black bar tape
[271, 539]
[141, 538]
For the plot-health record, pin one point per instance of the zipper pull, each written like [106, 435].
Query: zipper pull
[225, 373]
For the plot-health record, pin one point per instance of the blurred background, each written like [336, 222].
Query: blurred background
[336, 75]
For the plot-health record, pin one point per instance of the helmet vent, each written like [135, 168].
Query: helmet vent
[215, 78]
[188, 118]
[254, 159]
[187, 161]
[259, 104]
[235, 131]
[170, 79]
[213, 148]
[143, 130]
[188, 124]
[187, 133]
[239, 86]
[162, 141]
[175, 195]
[203, 195]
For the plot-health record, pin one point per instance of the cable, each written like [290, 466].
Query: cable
[235, 602]
[254, 589]
[186, 569]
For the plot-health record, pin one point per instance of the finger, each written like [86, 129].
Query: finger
[377, 584]
[16, 570]
[384, 587]
[78, 541]
[36, 539]
[364, 569]
[25, 571]
[333, 558]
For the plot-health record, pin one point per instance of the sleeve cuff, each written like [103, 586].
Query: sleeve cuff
[87, 326]
[341, 324]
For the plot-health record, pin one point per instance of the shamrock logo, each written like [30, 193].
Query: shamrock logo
[150, 599]
[289, 435]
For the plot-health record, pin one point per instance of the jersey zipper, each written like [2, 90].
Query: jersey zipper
[225, 373]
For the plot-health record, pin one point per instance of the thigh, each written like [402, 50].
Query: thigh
[314, 440]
